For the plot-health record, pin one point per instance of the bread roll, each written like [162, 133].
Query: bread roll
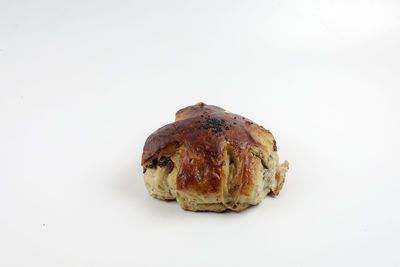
[212, 160]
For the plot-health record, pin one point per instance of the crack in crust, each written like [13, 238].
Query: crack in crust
[212, 159]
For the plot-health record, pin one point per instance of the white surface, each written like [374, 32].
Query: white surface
[82, 84]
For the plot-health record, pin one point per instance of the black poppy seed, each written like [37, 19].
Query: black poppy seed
[234, 123]
[243, 118]
[216, 125]
[234, 118]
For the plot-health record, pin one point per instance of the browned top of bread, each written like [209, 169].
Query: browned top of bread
[202, 133]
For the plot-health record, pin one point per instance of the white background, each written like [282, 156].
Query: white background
[83, 83]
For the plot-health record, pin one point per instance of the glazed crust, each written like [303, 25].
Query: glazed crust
[196, 150]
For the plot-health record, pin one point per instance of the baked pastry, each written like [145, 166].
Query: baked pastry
[211, 160]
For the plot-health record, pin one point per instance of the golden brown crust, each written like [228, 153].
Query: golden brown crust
[202, 134]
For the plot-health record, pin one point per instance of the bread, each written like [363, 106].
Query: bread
[212, 160]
